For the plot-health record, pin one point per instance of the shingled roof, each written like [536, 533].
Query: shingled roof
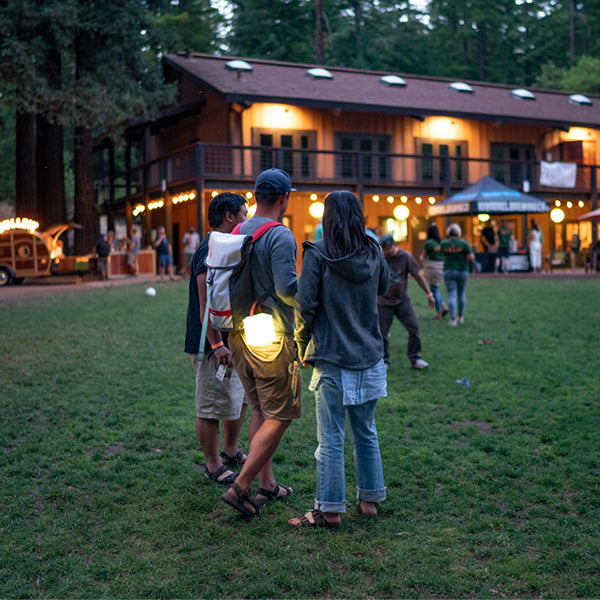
[352, 89]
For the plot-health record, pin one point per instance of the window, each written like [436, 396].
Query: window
[362, 157]
[397, 229]
[287, 150]
[441, 162]
[512, 163]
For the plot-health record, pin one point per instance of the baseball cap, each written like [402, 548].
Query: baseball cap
[386, 240]
[274, 181]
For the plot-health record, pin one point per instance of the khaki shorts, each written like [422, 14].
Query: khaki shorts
[271, 377]
[216, 399]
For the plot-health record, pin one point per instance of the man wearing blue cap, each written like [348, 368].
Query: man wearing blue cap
[270, 375]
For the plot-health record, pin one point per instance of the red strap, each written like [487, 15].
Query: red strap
[260, 231]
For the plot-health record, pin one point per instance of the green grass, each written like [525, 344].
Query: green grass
[493, 490]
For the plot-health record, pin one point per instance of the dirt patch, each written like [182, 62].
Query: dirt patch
[483, 426]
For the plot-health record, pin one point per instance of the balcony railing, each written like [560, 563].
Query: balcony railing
[205, 165]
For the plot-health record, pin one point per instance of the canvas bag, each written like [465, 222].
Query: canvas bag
[230, 291]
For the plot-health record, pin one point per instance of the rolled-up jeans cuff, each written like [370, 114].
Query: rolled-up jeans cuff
[331, 507]
[370, 495]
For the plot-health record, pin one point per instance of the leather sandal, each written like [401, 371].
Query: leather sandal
[318, 520]
[237, 460]
[221, 475]
[272, 494]
[238, 499]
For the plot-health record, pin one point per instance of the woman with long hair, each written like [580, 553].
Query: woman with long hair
[337, 333]
[433, 268]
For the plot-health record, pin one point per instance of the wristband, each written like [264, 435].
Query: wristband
[430, 295]
[217, 345]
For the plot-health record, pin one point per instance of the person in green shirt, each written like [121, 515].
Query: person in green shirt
[457, 256]
[575, 246]
[504, 237]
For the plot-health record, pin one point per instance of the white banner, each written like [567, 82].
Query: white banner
[558, 174]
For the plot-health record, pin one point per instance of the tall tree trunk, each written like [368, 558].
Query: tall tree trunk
[85, 214]
[481, 43]
[572, 37]
[25, 175]
[319, 31]
[50, 172]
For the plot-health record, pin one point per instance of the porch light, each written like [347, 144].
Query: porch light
[313, 197]
[401, 212]
[390, 199]
[316, 210]
[404, 199]
[185, 197]
[483, 217]
[259, 330]
[557, 215]
[418, 199]
[214, 193]
[431, 200]
[249, 195]
[581, 204]
[375, 198]
[557, 203]
[252, 210]
[138, 210]
[28, 224]
[569, 204]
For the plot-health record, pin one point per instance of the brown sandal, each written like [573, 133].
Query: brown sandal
[319, 520]
[237, 498]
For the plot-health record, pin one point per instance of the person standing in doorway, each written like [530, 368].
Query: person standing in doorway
[575, 247]
[535, 247]
[504, 239]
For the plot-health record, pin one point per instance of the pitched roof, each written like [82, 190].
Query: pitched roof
[352, 89]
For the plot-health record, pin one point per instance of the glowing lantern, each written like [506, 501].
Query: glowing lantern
[259, 330]
[401, 212]
[316, 209]
[557, 215]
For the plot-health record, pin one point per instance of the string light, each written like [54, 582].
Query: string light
[156, 204]
[185, 197]
[390, 199]
[18, 223]
[140, 208]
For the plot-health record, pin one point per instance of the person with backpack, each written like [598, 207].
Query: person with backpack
[218, 398]
[270, 374]
[337, 333]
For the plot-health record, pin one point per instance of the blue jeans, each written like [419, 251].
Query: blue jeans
[437, 296]
[331, 424]
[456, 287]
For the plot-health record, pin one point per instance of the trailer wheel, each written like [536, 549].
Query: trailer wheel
[6, 276]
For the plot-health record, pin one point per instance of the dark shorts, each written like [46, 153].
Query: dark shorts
[271, 377]
[503, 251]
[165, 260]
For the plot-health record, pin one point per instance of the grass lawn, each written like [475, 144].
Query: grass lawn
[493, 489]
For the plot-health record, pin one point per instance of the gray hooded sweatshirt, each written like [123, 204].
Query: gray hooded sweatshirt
[336, 307]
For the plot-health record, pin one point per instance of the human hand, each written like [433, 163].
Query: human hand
[431, 301]
[223, 356]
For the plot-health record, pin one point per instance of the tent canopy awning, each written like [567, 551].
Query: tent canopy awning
[591, 216]
[491, 197]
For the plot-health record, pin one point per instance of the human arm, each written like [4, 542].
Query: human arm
[221, 352]
[423, 285]
[307, 301]
[282, 251]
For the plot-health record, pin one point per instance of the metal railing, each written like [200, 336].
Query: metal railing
[200, 163]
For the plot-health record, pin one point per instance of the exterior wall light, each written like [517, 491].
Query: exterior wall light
[316, 210]
[557, 215]
[401, 212]
[484, 218]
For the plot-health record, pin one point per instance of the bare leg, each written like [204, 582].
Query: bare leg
[231, 433]
[265, 435]
[207, 431]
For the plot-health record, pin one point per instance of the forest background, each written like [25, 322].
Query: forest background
[72, 70]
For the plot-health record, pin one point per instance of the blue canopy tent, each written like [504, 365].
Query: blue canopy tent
[488, 196]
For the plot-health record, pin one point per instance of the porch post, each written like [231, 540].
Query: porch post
[594, 182]
[200, 203]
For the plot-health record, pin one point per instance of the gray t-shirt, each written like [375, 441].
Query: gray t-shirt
[274, 272]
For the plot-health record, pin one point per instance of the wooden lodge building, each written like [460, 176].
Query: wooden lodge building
[395, 141]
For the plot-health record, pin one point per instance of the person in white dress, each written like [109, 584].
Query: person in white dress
[535, 248]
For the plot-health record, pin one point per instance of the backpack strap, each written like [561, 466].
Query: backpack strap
[260, 231]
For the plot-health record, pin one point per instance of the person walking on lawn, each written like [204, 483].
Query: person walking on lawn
[396, 303]
[337, 333]
[216, 399]
[270, 374]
